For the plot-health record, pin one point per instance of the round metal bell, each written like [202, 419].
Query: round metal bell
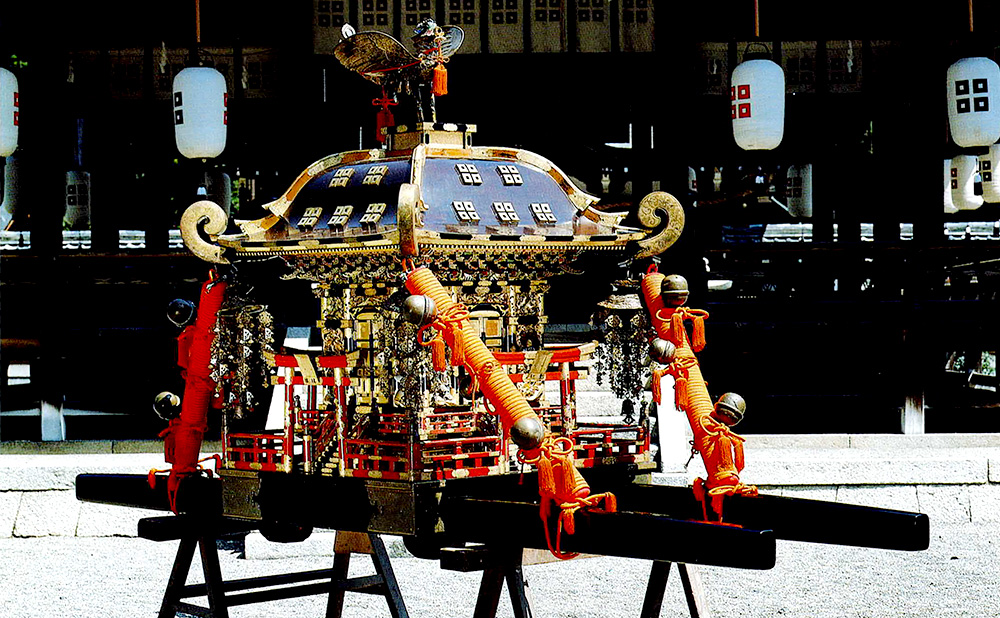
[527, 433]
[467, 387]
[419, 310]
[180, 312]
[167, 405]
[674, 290]
[662, 351]
[730, 408]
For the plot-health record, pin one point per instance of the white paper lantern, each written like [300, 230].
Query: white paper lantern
[963, 182]
[757, 99]
[990, 174]
[798, 190]
[77, 215]
[200, 114]
[692, 180]
[949, 204]
[974, 102]
[9, 111]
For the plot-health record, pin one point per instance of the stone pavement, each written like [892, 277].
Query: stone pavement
[118, 577]
[70, 559]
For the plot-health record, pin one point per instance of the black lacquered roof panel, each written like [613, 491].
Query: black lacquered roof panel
[352, 199]
[480, 196]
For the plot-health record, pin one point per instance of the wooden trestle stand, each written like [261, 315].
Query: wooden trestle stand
[223, 594]
[499, 565]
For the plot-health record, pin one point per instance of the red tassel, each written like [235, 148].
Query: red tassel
[656, 386]
[546, 478]
[677, 328]
[568, 524]
[698, 335]
[438, 359]
[440, 82]
[458, 349]
[680, 392]
[383, 120]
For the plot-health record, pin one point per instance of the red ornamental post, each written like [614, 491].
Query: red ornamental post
[187, 434]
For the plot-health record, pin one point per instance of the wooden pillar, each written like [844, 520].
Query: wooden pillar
[155, 199]
[913, 412]
[44, 145]
[104, 194]
[923, 145]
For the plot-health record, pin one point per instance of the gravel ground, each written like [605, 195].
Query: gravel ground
[114, 577]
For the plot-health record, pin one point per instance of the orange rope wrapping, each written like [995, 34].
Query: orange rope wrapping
[455, 330]
[721, 450]
[559, 481]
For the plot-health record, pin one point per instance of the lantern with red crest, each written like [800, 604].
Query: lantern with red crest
[757, 102]
[9, 112]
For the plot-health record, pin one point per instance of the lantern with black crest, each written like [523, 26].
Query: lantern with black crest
[988, 171]
[949, 183]
[973, 87]
[964, 169]
[974, 102]
[200, 106]
[200, 112]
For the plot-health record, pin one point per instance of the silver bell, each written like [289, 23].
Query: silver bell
[167, 405]
[527, 433]
[419, 310]
[730, 409]
[674, 290]
[662, 351]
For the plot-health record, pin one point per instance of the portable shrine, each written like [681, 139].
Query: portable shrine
[434, 407]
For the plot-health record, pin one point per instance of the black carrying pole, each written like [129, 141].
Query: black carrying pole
[653, 522]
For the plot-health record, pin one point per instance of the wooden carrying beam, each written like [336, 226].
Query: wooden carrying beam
[654, 522]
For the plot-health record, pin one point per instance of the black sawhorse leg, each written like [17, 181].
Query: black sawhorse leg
[693, 591]
[507, 565]
[498, 565]
[223, 594]
[382, 583]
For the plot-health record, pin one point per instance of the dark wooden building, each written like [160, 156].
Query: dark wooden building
[877, 305]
